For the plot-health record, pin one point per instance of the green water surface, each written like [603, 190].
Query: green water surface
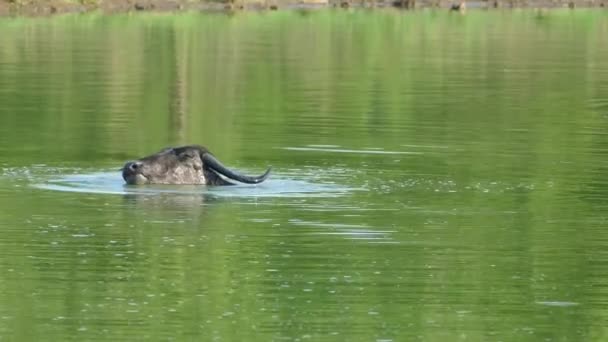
[437, 177]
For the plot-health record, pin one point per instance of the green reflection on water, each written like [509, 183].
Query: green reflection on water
[474, 148]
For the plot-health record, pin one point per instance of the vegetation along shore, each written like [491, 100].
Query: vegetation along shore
[50, 7]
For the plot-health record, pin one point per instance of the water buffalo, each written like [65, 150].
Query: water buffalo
[183, 165]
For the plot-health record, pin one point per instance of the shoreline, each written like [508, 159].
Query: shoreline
[28, 8]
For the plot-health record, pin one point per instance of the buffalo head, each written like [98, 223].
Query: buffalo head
[183, 165]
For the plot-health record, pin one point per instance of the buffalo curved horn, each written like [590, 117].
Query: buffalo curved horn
[209, 160]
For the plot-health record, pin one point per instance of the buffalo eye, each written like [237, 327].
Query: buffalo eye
[187, 155]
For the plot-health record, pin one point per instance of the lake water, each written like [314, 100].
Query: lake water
[436, 177]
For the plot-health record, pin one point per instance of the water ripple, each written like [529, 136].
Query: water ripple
[316, 148]
[111, 183]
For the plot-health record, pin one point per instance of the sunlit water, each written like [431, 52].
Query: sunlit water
[436, 177]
